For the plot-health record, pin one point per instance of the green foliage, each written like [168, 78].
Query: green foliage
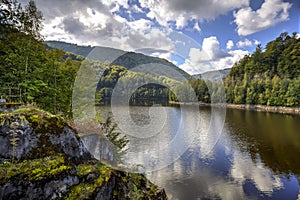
[45, 76]
[201, 90]
[109, 130]
[269, 77]
[129, 80]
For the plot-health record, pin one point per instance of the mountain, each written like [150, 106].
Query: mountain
[73, 48]
[213, 75]
[119, 57]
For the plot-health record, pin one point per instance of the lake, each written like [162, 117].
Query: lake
[254, 156]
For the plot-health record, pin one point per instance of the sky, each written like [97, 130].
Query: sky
[196, 35]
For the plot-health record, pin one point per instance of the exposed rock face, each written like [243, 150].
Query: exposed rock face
[41, 157]
[32, 144]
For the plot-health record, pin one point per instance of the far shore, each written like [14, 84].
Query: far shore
[260, 108]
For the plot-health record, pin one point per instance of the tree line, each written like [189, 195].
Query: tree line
[45, 75]
[267, 77]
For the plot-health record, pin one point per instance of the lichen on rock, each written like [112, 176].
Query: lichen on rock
[42, 157]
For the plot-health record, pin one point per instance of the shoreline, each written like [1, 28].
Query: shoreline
[258, 108]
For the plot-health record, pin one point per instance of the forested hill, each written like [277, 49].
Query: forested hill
[113, 56]
[269, 76]
[213, 75]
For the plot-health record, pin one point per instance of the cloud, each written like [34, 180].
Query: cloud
[197, 27]
[211, 57]
[270, 13]
[227, 62]
[164, 55]
[97, 23]
[245, 43]
[256, 42]
[243, 169]
[229, 44]
[181, 11]
[194, 65]
[211, 49]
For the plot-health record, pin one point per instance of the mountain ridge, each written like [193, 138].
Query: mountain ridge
[112, 56]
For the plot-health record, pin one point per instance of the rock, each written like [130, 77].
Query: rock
[36, 140]
[42, 157]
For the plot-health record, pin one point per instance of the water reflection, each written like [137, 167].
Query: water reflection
[243, 169]
[250, 161]
[256, 157]
[274, 137]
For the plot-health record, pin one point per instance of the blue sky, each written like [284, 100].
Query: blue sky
[196, 35]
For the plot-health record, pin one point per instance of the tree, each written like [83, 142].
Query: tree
[10, 15]
[32, 21]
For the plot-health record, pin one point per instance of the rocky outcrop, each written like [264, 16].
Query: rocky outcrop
[263, 108]
[42, 157]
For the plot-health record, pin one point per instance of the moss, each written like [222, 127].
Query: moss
[86, 190]
[96, 167]
[40, 120]
[47, 164]
[34, 118]
[33, 170]
[83, 170]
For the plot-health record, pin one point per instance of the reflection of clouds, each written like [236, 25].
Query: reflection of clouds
[209, 132]
[227, 191]
[197, 182]
[243, 168]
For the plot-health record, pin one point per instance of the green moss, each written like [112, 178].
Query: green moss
[40, 120]
[86, 190]
[83, 170]
[34, 118]
[53, 164]
[33, 170]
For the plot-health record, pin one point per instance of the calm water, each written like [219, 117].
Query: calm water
[256, 156]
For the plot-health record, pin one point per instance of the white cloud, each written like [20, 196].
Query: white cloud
[94, 23]
[211, 49]
[136, 9]
[256, 42]
[181, 11]
[229, 44]
[165, 55]
[227, 62]
[245, 43]
[271, 12]
[197, 27]
[211, 57]
[140, 25]
[154, 38]
[193, 65]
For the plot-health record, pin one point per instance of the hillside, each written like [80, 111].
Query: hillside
[118, 57]
[79, 50]
[269, 76]
[213, 75]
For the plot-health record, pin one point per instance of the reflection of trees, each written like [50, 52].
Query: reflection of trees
[272, 138]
